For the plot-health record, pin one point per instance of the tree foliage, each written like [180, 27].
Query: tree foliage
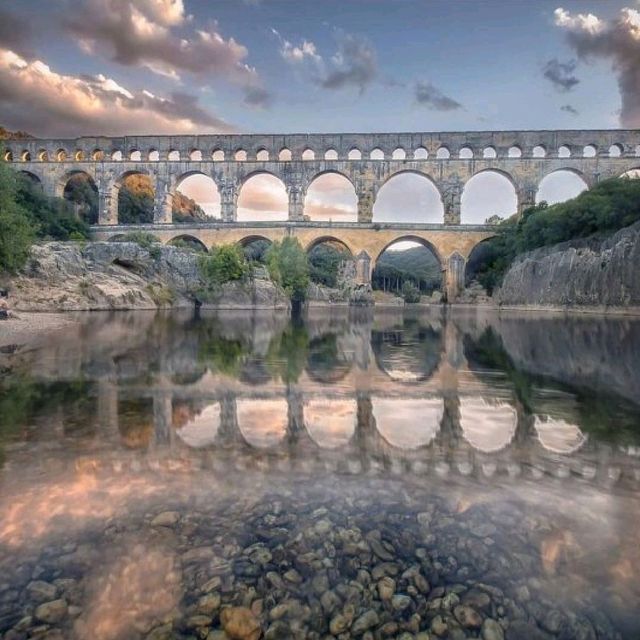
[324, 263]
[225, 263]
[288, 266]
[410, 292]
[136, 200]
[608, 207]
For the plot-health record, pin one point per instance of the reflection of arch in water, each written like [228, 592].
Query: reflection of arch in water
[408, 423]
[263, 423]
[196, 427]
[330, 423]
[407, 356]
[558, 435]
[135, 422]
[325, 362]
[487, 425]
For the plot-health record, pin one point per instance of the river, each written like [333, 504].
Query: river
[351, 474]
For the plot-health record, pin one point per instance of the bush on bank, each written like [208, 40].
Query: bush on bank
[288, 266]
[605, 209]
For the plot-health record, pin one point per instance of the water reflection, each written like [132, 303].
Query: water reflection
[157, 468]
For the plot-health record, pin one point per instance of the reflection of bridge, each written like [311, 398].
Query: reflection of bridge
[368, 161]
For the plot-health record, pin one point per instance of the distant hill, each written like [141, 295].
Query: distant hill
[5, 134]
[417, 264]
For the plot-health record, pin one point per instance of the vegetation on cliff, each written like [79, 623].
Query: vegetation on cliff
[608, 207]
[288, 266]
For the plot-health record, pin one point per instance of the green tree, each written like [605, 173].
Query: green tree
[225, 264]
[288, 266]
[17, 231]
[324, 263]
[410, 292]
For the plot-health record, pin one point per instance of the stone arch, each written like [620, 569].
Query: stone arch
[616, 150]
[153, 155]
[262, 155]
[188, 239]
[427, 200]
[263, 423]
[217, 155]
[488, 425]
[138, 210]
[420, 153]
[589, 151]
[8, 156]
[173, 155]
[376, 154]
[308, 154]
[25, 156]
[354, 154]
[79, 156]
[97, 155]
[443, 153]
[634, 172]
[116, 155]
[489, 153]
[564, 151]
[268, 195]
[330, 422]
[80, 189]
[338, 199]
[331, 154]
[240, 155]
[399, 154]
[257, 242]
[551, 190]
[539, 151]
[195, 155]
[465, 153]
[478, 254]
[43, 156]
[408, 238]
[479, 203]
[135, 155]
[514, 152]
[328, 239]
[284, 155]
[200, 188]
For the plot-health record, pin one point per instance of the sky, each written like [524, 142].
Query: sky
[115, 67]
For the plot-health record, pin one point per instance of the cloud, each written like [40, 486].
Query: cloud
[15, 32]
[353, 65]
[431, 97]
[561, 74]
[35, 98]
[569, 109]
[258, 97]
[617, 40]
[146, 33]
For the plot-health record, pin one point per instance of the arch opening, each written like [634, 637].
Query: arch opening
[589, 151]
[330, 154]
[196, 199]
[443, 153]
[377, 154]
[186, 241]
[539, 151]
[81, 191]
[408, 423]
[218, 155]
[475, 274]
[328, 260]
[487, 197]
[420, 154]
[195, 155]
[255, 248]
[331, 196]
[489, 153]
[262, 155]
[154, 155]
[408, 197]
[615, 151]
[263, 423]
[308, 154]
[408, 267]
[466, 153]
[263, 196]
[354, 154]
[559, 186]
[136, 196]
[135, 156]
[399, 154]
[564, 151]
[116, 156]
[173, 155]
[514, 152]
[330, 423]
[284, 155]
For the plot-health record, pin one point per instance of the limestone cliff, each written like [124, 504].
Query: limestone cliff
[67, 276]
[586, 273]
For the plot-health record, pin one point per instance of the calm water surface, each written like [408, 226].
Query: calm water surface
[350, 475]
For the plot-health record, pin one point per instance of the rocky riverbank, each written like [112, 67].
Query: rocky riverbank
[589, 273]
[67, 276]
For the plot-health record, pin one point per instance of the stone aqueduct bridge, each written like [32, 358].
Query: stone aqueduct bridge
[448, 160]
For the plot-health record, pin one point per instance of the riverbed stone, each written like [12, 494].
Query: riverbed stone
[40, 591]
[240, 623]
[491, 630]
[386, 588]
[52, 612]
[166, 519]
[364, 622]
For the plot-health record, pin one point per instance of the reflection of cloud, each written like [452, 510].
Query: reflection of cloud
[557, 435]
[330, 423]
[133, 592]
[407, 423]
[263, 423]
[487, 426]
[202, 428]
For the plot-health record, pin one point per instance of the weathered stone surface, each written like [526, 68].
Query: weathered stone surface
[69, 276]
[580, 273]
[240, 624]
[51, 612]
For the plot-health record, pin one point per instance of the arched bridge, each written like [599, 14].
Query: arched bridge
[368, 161]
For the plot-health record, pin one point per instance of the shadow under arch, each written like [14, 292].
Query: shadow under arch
[325, 362]
[480, 253]
[255, 247]
[409, 238]
[185, 239]
[35, 179]
[328, 239]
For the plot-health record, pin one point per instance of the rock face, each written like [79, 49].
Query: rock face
[580, 273]
[68, 276]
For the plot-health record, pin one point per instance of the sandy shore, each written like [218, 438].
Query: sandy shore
[27, 327]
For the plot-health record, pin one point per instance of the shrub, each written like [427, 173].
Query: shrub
[143, 238]
[410, 293]
[225, 264]
[288, 266]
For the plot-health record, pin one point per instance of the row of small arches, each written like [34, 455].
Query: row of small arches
[285, 155]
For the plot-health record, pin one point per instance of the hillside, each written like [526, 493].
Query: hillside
[416, 264]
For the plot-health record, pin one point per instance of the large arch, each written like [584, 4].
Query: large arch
[561, 185]
[426, 268]
[486, 194]
[331, 196]
[408, 196]
[79, 188]
[263, 196]
[188, 241]
[255, 247]
[327, 256]
[473, 268]
[197, 197]
[134, 192]
[34, 178]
